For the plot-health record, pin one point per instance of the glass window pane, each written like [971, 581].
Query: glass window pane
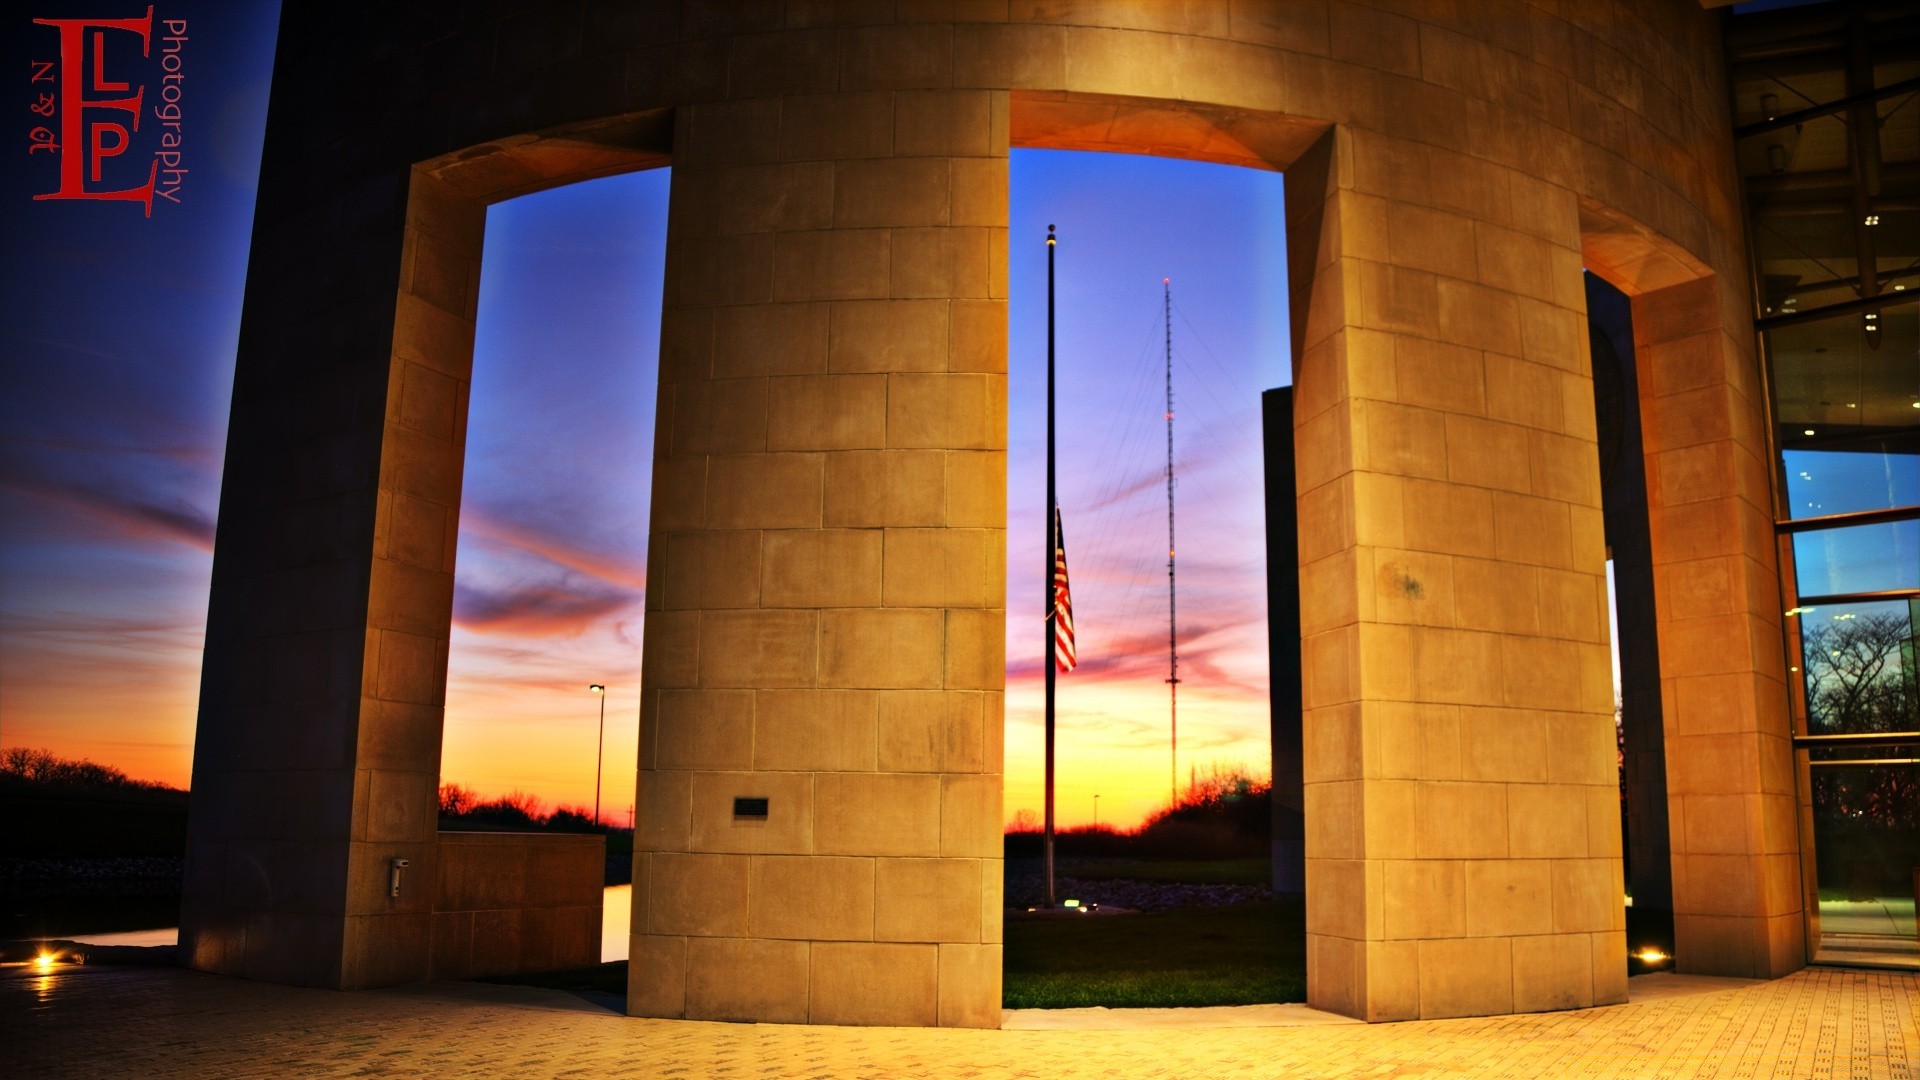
[1821, 482]
[1847, 399]
[1835, 755]
[1866, 842]
[1864, 558]
[1858, 662]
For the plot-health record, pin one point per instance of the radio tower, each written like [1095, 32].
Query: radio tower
[1173, 637]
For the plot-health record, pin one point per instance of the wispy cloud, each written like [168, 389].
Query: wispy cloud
[614, 569]
[1141, 651]
[204, 456]
[131, 515]
[536, 610]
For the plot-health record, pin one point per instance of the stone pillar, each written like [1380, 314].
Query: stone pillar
[318, 756]
[1729, 746]
[826, 592]
[1462, 816]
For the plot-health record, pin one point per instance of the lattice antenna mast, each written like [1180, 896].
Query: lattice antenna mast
[1173, 632]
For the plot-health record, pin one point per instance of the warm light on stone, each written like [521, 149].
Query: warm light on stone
[829, 527]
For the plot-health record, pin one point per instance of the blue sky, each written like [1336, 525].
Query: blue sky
[121, 331]
[119, 335]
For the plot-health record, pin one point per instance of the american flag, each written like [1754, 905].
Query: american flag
[1063, 652]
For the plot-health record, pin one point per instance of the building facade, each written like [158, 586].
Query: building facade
[825, 617]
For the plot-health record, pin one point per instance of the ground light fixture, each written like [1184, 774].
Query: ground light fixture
[47, 960]
[1651, 956]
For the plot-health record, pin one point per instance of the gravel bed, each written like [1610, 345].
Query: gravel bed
[52, 879]
[133, 867]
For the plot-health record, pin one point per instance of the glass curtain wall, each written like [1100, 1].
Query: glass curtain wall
[1826, 113]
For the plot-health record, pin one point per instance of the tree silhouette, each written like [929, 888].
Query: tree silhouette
[1860, 680]
[457, 800]
[1855, 682]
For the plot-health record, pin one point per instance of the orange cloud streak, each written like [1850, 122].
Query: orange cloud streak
[607, 568]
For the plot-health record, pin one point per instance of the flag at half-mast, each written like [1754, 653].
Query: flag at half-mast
[1063, 651]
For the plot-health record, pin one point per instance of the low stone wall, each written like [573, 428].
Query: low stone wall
[508, 903]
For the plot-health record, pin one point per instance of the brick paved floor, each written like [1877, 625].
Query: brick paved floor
[156, 1022]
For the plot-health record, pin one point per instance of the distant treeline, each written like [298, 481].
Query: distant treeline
[463, 811]
[514, 810]
[1224, 814]
[64, 808]
[45, 770]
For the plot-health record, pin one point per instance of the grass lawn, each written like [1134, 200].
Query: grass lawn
[1194, 871]
[1246, 954]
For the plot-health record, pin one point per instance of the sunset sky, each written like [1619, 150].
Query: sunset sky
[120, 335]
[117, 337]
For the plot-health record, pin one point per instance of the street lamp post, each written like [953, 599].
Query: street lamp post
[599, 750]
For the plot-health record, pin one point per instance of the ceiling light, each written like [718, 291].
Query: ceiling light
[1809, 431]
[1873, 219]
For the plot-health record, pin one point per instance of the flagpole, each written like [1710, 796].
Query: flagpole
[1047, 579]
[1173, 633]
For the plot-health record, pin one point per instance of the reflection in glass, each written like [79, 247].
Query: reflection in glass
[1847, 409]
[1845, 481]
[1859, 665]
[1866, 835]
[1835, 249]
[1864, 558]
[1840, 379]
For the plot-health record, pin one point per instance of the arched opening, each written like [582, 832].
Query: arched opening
[1121, 735]
[543, 664]
[1167, 823]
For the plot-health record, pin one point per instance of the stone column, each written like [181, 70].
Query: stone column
[318, 755]
[1462, 814]
[1729, 746]
[826, 580]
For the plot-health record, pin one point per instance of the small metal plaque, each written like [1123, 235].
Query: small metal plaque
[750, 808]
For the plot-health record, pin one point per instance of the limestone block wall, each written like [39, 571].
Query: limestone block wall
[825, 626]
[1463, 837]
[829, 543]
[1730, 782]
[510, 903]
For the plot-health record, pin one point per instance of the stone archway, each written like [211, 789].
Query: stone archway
[830, 477]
